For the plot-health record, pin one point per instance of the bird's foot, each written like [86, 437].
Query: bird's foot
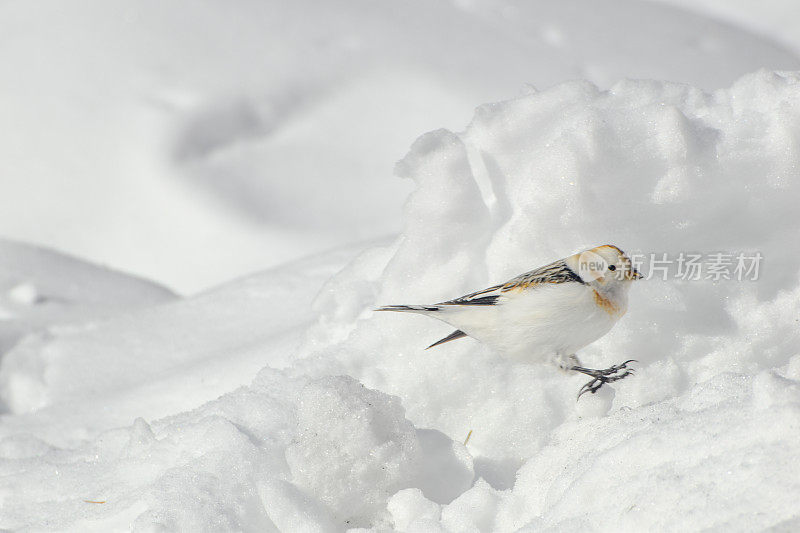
[601, 377]
[566, 363]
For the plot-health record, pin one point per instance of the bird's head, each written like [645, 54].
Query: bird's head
[605, 267]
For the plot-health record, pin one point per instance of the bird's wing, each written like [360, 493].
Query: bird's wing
[555, 272]
[487, 296]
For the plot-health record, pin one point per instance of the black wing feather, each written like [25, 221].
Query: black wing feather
[457, 334]
[556, 272]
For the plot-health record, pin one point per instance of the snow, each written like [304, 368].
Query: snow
[350, 424]
[776, 19]
[278, 400]
[188, 133]
[166, 358]
[40, 288]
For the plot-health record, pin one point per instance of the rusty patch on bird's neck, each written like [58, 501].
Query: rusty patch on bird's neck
[605, 304]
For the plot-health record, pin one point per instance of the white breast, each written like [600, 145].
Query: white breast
[539, 323]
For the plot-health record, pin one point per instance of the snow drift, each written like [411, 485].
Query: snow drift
[354, 425]
[42, 288]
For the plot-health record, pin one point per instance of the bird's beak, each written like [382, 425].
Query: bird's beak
[634, 274]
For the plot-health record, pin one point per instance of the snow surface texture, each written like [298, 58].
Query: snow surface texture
[189, 142]
[351, 424]
[41, 288]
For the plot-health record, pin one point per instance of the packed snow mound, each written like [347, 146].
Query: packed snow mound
[200, 134]
[656, 168]
[41, 288]
[352, 424]
[257, 459]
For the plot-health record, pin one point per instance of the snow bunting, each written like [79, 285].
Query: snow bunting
[546, 314]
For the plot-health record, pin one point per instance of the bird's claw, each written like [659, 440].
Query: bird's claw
[601, 377]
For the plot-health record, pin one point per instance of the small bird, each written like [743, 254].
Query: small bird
[548, 313]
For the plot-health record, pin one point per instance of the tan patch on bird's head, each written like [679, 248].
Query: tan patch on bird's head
[605, 304]
[610, 247]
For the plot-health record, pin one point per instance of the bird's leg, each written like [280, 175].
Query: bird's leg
[601, 377]
[566, 363]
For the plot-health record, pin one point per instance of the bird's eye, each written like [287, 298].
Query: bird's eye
[612, 268]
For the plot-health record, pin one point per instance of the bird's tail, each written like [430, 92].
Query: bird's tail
[409, 308]
[425, 310]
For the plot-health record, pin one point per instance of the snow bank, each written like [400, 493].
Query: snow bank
[283, 454]
[40, 288]
[652, 167]
[354, 425]
[161, 360]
